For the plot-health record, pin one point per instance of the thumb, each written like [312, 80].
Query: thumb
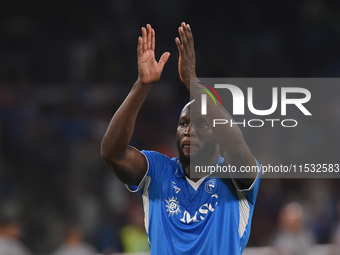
[164, 58]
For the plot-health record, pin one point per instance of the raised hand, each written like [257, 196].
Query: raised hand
[149, 69]
[186, 61]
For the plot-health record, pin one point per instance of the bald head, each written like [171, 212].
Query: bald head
[190, 108]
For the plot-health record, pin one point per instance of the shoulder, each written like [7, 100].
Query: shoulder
[156, 154]
[158, 159]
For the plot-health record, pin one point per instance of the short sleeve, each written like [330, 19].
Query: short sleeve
[156, 162]
[251, 192]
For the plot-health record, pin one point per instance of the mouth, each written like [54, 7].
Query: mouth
[189, 143]
[189, 147]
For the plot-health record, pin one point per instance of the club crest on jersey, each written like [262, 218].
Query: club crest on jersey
[173, 206]
[210, 185]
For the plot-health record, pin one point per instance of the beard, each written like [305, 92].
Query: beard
[201, 158]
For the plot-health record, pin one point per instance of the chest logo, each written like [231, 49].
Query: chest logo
[173, 206]
[210, 185]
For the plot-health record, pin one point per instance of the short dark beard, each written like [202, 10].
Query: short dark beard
[203, 157]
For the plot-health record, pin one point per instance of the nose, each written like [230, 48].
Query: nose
[189, 131]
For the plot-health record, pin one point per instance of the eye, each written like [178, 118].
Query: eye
[201, 124]
[183, 124]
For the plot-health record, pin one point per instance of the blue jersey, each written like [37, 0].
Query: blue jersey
[211, 216]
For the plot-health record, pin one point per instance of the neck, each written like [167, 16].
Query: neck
[187, 173]
[198, 176]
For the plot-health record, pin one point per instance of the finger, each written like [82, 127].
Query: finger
[186, 31]
[145, 42]
[164, 58]
[179, 46]
[188, 40]
[149, 34]
[189, 29]
[191, 41]
[182, 36]
[140, 46]
[153, 40]
[184, 27]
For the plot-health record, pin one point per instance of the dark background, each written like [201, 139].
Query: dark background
[66, 66]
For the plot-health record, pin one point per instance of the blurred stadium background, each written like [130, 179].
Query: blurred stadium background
[65, 67]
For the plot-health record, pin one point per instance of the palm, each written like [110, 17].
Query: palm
[149, 69]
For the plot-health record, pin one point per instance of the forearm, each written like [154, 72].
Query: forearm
[120, 129]
[127, 162]
[229, 137]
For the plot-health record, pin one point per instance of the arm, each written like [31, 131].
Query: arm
[229, 138]
[128, 163]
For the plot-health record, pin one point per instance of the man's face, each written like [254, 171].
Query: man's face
[195, 139]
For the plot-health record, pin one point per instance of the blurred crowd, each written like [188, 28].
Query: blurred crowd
[66, 66]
